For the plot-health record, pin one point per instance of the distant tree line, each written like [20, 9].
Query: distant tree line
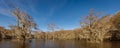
[93, 29]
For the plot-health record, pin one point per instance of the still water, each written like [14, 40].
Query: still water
[56, 44]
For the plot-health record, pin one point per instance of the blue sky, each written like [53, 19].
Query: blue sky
[64, 13]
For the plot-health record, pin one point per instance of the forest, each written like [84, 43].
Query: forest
[93, 28]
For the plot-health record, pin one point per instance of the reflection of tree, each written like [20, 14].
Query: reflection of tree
[23, 45]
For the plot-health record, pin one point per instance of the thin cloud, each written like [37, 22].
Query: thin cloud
[4, 8]
[6, 5]
[54, 9]
[5, 12]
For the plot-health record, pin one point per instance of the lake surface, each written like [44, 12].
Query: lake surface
[56, 44]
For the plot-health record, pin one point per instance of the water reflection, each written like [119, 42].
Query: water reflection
[23, 45]
[56, 44]
[14, 44]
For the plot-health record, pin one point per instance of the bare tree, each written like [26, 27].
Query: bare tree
[94, 27]
[24, 22]
[52, 27]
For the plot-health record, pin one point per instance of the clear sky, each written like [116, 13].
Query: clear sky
[64, 13]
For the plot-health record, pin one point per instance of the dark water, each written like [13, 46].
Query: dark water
[56, 44]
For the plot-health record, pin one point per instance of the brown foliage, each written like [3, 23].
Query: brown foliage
[116, 26]
[95, 28]
[5, 33]
[25, 23]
